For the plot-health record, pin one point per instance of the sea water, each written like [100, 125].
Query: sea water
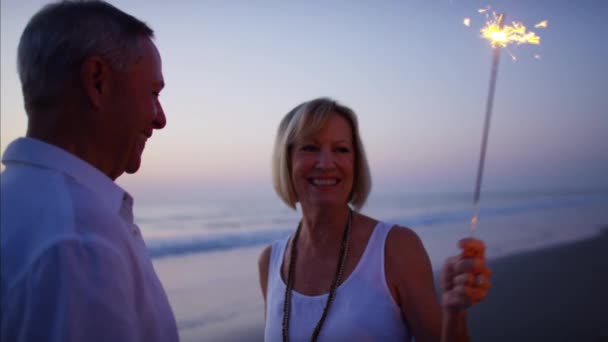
[175, 229]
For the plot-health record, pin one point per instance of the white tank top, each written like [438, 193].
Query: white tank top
[363, 309]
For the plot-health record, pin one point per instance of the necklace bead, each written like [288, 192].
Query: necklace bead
[332, 290]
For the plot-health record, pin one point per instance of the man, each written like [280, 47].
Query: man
[74, 266]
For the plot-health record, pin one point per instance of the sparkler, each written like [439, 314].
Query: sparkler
[500, 36]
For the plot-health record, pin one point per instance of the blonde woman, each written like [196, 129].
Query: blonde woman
[344, 276]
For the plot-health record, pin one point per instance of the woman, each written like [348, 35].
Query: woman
[343, 276]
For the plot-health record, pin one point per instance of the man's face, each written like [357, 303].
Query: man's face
[134, 109]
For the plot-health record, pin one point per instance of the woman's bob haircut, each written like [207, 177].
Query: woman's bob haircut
[303, 121]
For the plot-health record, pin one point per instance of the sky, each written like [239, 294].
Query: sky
[414, 74]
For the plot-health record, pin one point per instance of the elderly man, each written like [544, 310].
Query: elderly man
[74, 266]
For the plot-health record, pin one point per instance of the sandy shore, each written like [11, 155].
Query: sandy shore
[215, 296]
[556, 293]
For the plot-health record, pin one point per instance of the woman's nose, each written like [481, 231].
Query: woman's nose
[325, 160]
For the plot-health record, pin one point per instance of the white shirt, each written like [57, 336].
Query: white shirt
[74, 266]
[363, 308]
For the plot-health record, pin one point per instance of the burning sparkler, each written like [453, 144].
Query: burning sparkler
[500, 36]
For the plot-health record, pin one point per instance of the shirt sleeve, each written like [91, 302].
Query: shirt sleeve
[74, 291]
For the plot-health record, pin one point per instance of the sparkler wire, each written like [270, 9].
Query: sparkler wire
[486, 131]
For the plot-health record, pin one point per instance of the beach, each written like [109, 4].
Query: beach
[215, 296]
[559, 293]
[549, 280]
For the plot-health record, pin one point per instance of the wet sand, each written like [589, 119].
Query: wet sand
[558, 293]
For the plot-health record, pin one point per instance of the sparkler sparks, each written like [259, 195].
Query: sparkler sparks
[500, 36]
[516, 33]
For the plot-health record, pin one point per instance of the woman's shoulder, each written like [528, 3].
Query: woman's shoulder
[403, 236]
[398, 234]
[404, 247]
[407, 264]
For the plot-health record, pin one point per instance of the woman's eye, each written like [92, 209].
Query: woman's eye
[343, 149]
[309, 148]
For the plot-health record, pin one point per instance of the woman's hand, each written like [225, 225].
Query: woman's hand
[465, 278]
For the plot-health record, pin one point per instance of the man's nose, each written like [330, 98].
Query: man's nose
[160, 120]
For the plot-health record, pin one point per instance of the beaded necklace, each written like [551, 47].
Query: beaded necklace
[332, 290]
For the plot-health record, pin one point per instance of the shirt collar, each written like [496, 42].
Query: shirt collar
[36, 152]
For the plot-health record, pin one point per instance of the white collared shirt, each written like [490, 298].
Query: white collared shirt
[74, 266]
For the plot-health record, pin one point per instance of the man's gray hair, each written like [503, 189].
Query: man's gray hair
[62, 35]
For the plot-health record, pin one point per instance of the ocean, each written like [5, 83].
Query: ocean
[206, 252]
[177, 229]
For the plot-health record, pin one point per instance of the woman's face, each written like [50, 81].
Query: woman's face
[322, 165]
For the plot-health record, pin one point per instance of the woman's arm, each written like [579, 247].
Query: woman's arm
[410, 279]
[263, 261]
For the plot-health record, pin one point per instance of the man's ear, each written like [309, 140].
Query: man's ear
[94, 78]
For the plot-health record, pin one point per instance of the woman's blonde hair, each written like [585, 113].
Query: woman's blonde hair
[303, 121]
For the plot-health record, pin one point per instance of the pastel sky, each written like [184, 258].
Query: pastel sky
[416, 76]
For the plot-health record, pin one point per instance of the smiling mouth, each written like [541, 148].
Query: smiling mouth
[324, 182]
